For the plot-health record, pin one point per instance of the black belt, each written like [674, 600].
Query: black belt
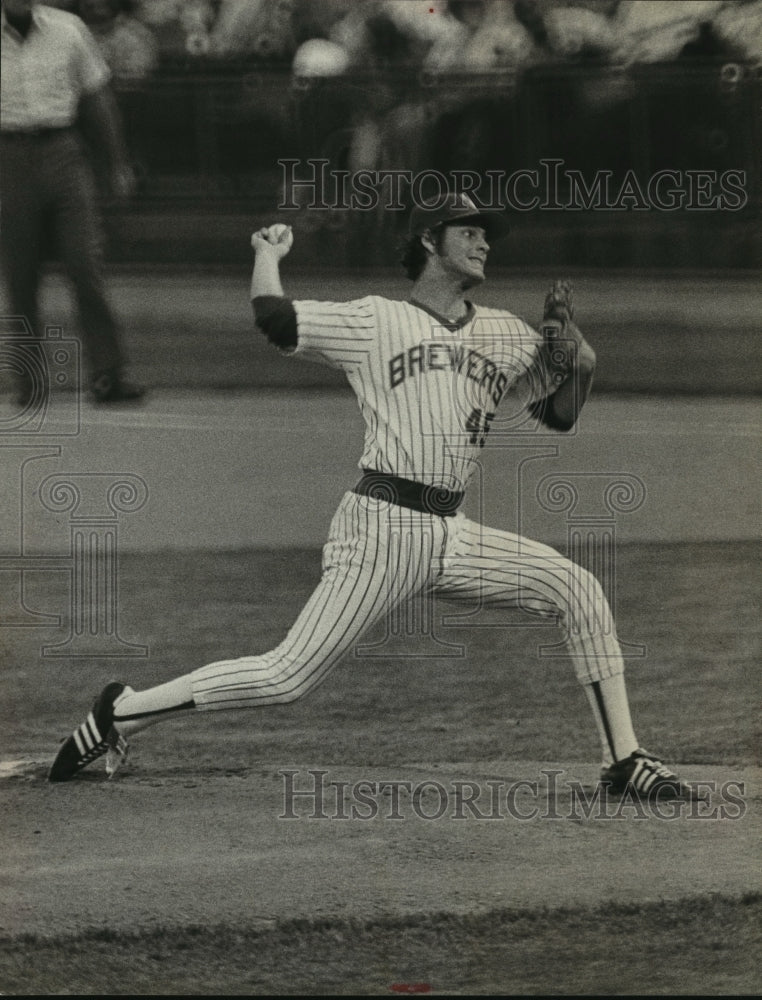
[406, 493]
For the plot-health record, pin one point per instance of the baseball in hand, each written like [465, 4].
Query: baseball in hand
[275, 234]
[278, 236]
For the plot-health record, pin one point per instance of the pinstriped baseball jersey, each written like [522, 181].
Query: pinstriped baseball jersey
[427, 389]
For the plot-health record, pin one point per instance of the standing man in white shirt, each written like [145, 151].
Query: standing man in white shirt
[52, 77]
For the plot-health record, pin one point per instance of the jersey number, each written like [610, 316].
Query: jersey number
[478, 425]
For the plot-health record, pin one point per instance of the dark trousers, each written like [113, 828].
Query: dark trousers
[46, 185]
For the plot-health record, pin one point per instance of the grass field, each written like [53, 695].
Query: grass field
[707, 947]
[690, 693]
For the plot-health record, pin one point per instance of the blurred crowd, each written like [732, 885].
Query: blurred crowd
[336, 37]
[385, 85]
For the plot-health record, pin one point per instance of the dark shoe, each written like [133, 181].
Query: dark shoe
[647, 776]
[96, 736]
[114, 389]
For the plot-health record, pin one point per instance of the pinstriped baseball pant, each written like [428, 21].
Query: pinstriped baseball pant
[378, 555]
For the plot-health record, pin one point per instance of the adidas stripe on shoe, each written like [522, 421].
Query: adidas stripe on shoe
[648, 777]
[93, 738]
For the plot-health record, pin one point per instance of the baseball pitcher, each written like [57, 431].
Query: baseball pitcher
[429, 375]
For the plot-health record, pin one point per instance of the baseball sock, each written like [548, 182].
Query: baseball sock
[608, 700]
[136, 710]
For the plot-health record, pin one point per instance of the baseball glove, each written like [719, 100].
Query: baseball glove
[559, 334]
[559, 302]
[560, 342]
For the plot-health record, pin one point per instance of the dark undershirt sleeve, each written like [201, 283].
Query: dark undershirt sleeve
[276, 318]
[543, 411]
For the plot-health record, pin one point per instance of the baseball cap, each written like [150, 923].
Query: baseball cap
[457, 208]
